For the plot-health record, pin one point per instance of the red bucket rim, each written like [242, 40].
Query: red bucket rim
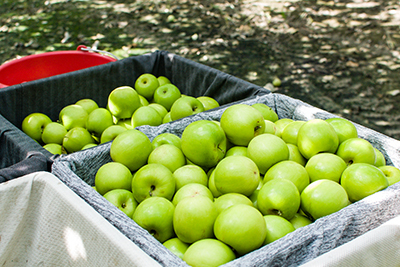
[14, 63]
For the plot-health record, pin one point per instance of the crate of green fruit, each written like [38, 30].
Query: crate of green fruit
[269, 180]
[155, 80]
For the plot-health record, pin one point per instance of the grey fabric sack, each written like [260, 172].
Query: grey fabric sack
[78, 170]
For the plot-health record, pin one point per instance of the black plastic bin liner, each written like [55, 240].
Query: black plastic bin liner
[78, 171]
[50, 95]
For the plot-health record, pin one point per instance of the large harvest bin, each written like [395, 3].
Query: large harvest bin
[44, 223]
[78, 171]
[50, 95]
[17, 153]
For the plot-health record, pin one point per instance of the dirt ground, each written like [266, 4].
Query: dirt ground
[342, 56]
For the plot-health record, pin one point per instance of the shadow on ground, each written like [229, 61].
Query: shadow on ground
[341, 56]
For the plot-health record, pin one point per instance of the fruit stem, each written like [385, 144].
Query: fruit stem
[276, 212]
[152, 232]
[256, 128]
[152, 188]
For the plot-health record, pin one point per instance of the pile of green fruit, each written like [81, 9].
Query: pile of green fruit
[153, 101]
[225, 188]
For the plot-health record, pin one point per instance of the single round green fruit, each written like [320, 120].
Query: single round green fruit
[76, 138]
[211, 184]
[192, 190]
[185, 106]
[317, 136]
[392, 174]
[90, 145]
[166, 95]
[241, 123]
[268, 113]
[131, 148]
[111, 132]
[54, 132]
[112, 175]
[146, 115]
[203, 142]
[325, 166]
[167, 118]
[152, 180]
[276, 82]
[270, 127]
[208, 102]
[143, 101]
[236, 151]
[155, 214]
[356, 150]
[163, 80]
[73, 116]
[295, 155]
[227, 200]
[266, 150]
[300, 220]
[361, 180]
[176, 246]
[277, 227]
[88, 104]
[123, 199]
[236, 174]
[166, 138]
[146, 84]
[290, 132]
[323, 197]
[160, 109]
[171, 18]
[190, 174]
[55, 149]
[279, 197]
[253, 197]
[380, 159]
[345, 129]
[168, 155]
[34, 124]
[241, 227]
[289, 170]
[208, 253]
[123, 101]
[97, 121]
[126, 123]
[281, 124]
[194, 218]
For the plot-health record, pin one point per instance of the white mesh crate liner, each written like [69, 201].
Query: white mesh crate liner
[378, 247]
[78, 170]
[44, 223]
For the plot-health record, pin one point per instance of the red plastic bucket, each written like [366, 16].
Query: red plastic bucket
[34, 67]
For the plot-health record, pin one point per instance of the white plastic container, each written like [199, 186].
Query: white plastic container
[44, 223]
